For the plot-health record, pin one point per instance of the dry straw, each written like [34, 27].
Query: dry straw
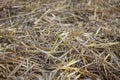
[59, 40]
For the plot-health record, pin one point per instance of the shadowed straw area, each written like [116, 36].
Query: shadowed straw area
[59, 39]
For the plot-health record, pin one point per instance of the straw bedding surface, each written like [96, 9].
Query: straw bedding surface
[59, 39]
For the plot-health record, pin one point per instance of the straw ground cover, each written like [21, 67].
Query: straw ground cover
[59, 39]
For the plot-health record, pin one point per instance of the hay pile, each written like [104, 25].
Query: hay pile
[59, 39]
